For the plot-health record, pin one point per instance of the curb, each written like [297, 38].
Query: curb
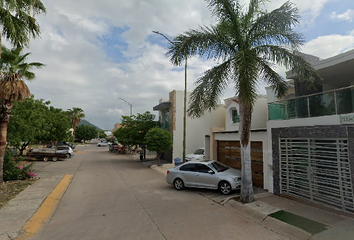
[258, 212]
[34, 225]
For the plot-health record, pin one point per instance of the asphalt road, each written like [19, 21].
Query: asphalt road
[113, 196]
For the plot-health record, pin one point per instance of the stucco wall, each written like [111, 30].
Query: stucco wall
[196, 128]
[259, 115]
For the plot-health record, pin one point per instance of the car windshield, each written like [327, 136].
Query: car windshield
[199, 151]
[219, 166]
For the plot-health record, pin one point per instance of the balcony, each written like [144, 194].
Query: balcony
[334, 102]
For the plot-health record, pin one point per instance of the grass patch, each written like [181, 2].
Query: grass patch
[10, 189]
[305, 224]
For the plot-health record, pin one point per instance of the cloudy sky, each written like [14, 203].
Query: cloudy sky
[97, 52]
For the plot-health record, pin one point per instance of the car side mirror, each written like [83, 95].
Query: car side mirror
[211, 172]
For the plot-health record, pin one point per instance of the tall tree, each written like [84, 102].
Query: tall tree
[75, 115]
[86, 132]
[134, 128]
[247, 43]
[27, 122]
[18, 22]
[14, 70]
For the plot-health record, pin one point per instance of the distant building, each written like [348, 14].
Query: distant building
[171, 114]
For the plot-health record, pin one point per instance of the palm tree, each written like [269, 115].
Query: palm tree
[18, 22]
[247, 44]
[75, 114]
[14, 70]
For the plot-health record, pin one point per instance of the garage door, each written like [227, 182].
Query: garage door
[317, 170]
[229, 153]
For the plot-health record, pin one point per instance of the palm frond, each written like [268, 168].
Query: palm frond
[276, 81]
[246, 82]
[292, 61]
[209, 88]
[207, 42]
[13, 90]
[276, 27]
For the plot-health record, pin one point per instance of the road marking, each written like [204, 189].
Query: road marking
[83, 152]
[45, 211]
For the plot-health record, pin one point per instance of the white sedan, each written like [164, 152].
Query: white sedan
[103, 144]
[205, 174]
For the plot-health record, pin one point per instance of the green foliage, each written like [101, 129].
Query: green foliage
[85, 132]
[15, 169]
[13, 62]
[101, 134]
[158, 140]
[18, 20]
[134, 128]
[33, 120]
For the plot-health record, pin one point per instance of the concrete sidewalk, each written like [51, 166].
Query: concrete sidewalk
[340, 226]
[15, 214]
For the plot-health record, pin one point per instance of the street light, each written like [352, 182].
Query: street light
[131, 106]
[185, 97]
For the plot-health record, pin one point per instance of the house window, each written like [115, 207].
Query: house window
[235, 116]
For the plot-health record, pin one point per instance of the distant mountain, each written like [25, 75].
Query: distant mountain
[85, 122]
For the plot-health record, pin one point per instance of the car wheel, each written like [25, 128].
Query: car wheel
[55, 159]
[68, 155]
[225, 188]
[45, 159]
[178, 183]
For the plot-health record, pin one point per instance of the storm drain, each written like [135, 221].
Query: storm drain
[305, 224]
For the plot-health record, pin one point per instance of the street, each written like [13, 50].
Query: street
[112, 196]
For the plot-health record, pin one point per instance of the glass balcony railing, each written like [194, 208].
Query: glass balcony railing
[336, 102]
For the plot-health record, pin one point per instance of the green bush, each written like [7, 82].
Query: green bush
[14, 169]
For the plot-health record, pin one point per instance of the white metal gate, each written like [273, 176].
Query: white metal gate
[317, 170]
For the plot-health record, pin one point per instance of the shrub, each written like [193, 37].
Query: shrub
[15, 169]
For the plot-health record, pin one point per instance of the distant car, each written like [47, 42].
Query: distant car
[197, 155]
[209, 174]
[103, 144]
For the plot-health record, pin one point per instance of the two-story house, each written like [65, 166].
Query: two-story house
[311, 136]
[171, 114]
[223, 144]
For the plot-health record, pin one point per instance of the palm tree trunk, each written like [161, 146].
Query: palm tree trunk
[3, 137]
[73, 136]
[246, 169]
[5, 111]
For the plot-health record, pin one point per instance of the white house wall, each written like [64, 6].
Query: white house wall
[259, 115]
[196, 128]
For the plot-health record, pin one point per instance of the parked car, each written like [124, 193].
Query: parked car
[66, 143]
[103, 144]
[197, 155]
[67, 148]
[209, 174]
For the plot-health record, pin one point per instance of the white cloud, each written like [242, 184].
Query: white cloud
[329, 46]
[346, 16]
